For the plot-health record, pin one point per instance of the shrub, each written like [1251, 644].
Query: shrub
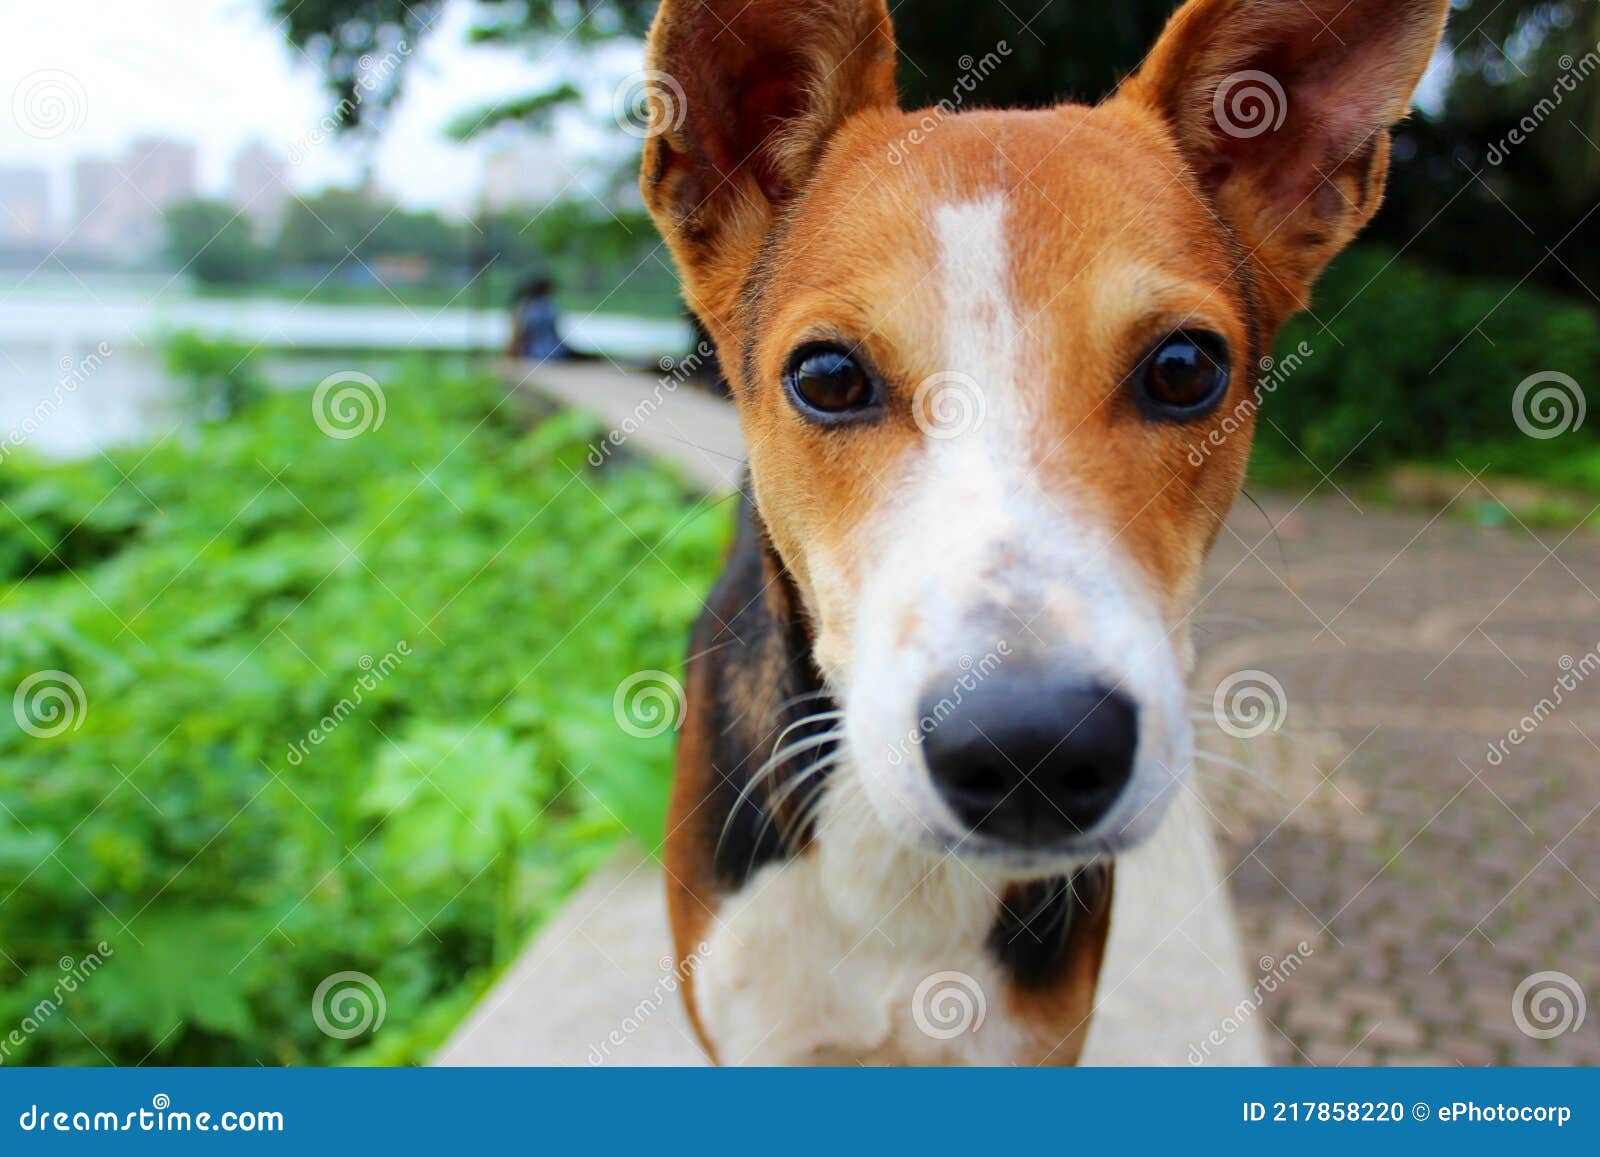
[1413, 364]
[447, 603]
[219, 378]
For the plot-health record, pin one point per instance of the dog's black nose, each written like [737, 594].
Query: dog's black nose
[1031, 757]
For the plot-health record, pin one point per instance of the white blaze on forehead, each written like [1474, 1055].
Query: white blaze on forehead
[975, 277]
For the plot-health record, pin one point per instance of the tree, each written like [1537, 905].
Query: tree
[1507, 57]
[1505, 179]
[212, 242]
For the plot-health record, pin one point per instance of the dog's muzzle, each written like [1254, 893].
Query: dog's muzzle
[1034, 758]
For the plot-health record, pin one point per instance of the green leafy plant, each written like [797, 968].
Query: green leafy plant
[345, 705]
[1410, 364]
[219, 377]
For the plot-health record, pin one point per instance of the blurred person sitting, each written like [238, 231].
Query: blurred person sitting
[534, 323]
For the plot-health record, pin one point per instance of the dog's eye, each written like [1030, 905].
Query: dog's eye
[1187, 373]
[830, 381]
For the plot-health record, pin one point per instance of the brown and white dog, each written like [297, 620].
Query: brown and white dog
[941, 684]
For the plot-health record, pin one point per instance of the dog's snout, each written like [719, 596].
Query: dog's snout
[1032, 758]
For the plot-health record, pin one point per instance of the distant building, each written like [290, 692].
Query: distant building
[99, 204]
[24, 206]
[118, 202]
[260, 187]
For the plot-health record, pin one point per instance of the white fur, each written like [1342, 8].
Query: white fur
[819, 960]
[981, 555]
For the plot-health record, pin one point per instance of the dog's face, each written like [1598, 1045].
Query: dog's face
[997, 370]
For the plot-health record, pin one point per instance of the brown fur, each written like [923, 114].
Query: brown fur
[1127, 221]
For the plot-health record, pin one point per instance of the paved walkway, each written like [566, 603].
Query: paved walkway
[1396, 877]
[1433, 863]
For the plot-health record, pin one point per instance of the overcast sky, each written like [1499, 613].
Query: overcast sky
[218, 72]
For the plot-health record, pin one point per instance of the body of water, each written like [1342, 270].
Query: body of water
[81, 366]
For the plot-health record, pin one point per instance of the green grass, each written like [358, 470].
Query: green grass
[456, 595]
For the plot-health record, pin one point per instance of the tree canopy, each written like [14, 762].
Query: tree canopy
[1460, 197]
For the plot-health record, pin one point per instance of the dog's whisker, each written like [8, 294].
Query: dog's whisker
[814, 777]
[776, 802]
[796, 700]
[774, 765]
[1252, 774]
[803, 811]
[816, 717]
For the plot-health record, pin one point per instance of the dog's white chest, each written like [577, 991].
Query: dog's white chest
[856, 952]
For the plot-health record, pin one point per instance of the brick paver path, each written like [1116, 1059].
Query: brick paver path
[1430, 864]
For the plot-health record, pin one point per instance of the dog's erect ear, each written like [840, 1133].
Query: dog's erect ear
[744, 95]
[1282, 109]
